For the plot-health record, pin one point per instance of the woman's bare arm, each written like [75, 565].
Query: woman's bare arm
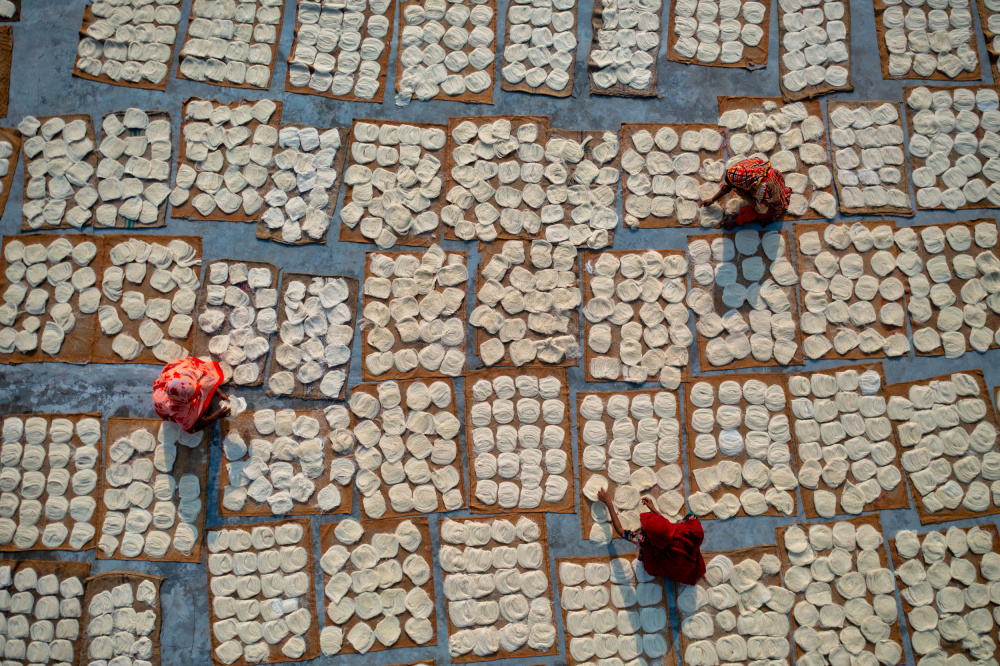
[651, 505]
[606, 498]
[723, 191]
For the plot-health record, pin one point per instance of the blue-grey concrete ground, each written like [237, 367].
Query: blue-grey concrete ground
[44, 45]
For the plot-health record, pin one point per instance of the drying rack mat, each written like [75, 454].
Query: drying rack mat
[144, 83]
[263, 233]
[77, 345]
[544, 89]
[484, 97]
[755, 105]
[896, 499]
[95, 494]
[383, 60]
[90, 159]
[367, 350]
[595, 137]
[372, 390]
[312, 391]
[244, 425]
[991, 54]
[187, 211]
[586, 516]
[737, 555]
[918, 162]
[938, 75]
[806, 264]
[101, 345]
[695, 463]
[6, 50]
[201, 338]
[874, 521]
[955, 283]
[823, 88]
[668, 658]
[946, 515]
[620, 89]
[307, 601]
[590, 257]
[628, 129]
[949, 647]
[567, 503]
[105, 582]
[161, 210]
[409, 239]
[246, 86]
[542, 122]
[486, 253]
[190, 460]
[754, 57]
[327, 539]
[524, 651]
[792, 291]
[904, 181]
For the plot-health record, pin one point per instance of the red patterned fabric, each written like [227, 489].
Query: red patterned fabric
[183, 390]
[763, 185]
[672, 549]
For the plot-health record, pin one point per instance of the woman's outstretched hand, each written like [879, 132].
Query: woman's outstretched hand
[603, 495]
[649, 504]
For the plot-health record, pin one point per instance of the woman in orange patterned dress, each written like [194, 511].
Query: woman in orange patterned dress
[187, 393]
[762, 185]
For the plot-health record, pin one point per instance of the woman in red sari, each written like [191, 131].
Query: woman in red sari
[763, 186]
[187, 393]
[666, 549]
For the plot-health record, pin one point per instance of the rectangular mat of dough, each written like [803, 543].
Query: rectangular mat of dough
[990, 25]
[247, 306]
[800, 149]
[142, 154]
[84, 254]
[651, 287]
[605, 77]
[770, 256]
[189, 465]
[374, 194]
[139, 57]
[625, 579]
[952, 261]
[10, 144]
[294, 596]
[481, 214]
[316, 53]
[519, 543]
[761, 458]
[405, 590]
[830, 249]
[201, 152]
[83, 468]
[313, 176]
[69, 577]
[40, 209]
[117, 590]
[251, 48]
[415, 81]
[871, 450]
[389, 280]
[426, 413]
[521, 56]
[871, 130]
[902, 67]
[834, 586]
[549, 335]
[933, 178]
[919, 562]
[769, 599]
[180, 258]
[659, 476]
[322, 484]
[583, 168]
[334, 368]
[800, 46]
[522, 423]
[747, 48]
[651, 174]
[968, 437]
